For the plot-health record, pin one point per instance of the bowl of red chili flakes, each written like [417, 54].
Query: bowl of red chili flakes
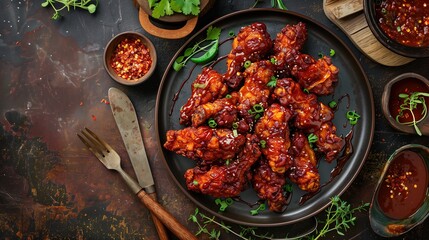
[130, 58]
[401, 26]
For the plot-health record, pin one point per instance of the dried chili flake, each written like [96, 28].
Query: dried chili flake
[131, 59]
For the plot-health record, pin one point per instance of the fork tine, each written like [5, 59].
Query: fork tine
[106, 146]
[96, 143]
[96, 152]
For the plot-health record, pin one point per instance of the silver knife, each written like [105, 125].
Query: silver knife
[128, 125]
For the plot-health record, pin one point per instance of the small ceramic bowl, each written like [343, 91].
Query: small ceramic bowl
[109, 51]
[383, 38]
[386, 224]
[423, 125]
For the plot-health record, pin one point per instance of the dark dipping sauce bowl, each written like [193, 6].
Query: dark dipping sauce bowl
[402, 25]
[390, 101]
[138, 59]
[401, 199]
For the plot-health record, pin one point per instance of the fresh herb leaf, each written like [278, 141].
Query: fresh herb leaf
[339, 217]
[89, 5]
[272, 83]
[161, 8]
[278, 4]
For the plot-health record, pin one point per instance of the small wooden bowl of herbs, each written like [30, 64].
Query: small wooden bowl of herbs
[130, 58]
[405, 101]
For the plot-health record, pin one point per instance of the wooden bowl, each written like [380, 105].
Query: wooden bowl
[383, 38]
[112, 45]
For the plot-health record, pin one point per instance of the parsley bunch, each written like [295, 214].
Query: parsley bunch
[161, 8]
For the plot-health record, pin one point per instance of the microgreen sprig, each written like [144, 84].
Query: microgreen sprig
[410, 103]
[260, 208]
[70, 4]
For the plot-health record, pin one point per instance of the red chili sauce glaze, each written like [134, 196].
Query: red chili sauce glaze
[408, 86]
[405, 21]
[131, 59]
[403, 189]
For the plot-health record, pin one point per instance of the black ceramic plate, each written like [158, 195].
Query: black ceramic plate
[352, 82]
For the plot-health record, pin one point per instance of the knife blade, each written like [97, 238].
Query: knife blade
[125, 116]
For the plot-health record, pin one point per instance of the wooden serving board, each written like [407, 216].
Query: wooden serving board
[349, 16]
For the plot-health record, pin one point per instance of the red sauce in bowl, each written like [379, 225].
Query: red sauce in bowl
[405, 21]
[404, 185]
[408, 86]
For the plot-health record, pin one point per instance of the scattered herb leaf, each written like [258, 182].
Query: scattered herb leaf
[256, 211]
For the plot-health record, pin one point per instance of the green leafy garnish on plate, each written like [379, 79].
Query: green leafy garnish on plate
[210, 49]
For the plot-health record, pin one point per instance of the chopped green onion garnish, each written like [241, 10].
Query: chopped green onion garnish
[212, 123]
[223, 203]
[353, 117]
[312, 138]
[332, 104]
[234, 125]
[235, 133]
[231, 33]
[306, 90]
[331, 52]
[258, 108]
[228, 96]
[195, 182]
[263, 143]
[273, 60]
[247, 64]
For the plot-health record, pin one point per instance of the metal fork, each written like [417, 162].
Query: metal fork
[110, 158]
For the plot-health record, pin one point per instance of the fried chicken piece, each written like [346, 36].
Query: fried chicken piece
[311, 116]
[309, 112]
[287, 44]
[223, 111]
[207, 87]
[304, 171]
[255, 89]
[329, 143]
[273, 128]
[252, 43]
[204, 143]
[227, 180]
[317, 76]
[269, 186]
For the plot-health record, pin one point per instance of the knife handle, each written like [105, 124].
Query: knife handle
[160, 228]
[165, 217]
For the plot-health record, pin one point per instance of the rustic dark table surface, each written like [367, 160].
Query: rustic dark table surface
[52, 84]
